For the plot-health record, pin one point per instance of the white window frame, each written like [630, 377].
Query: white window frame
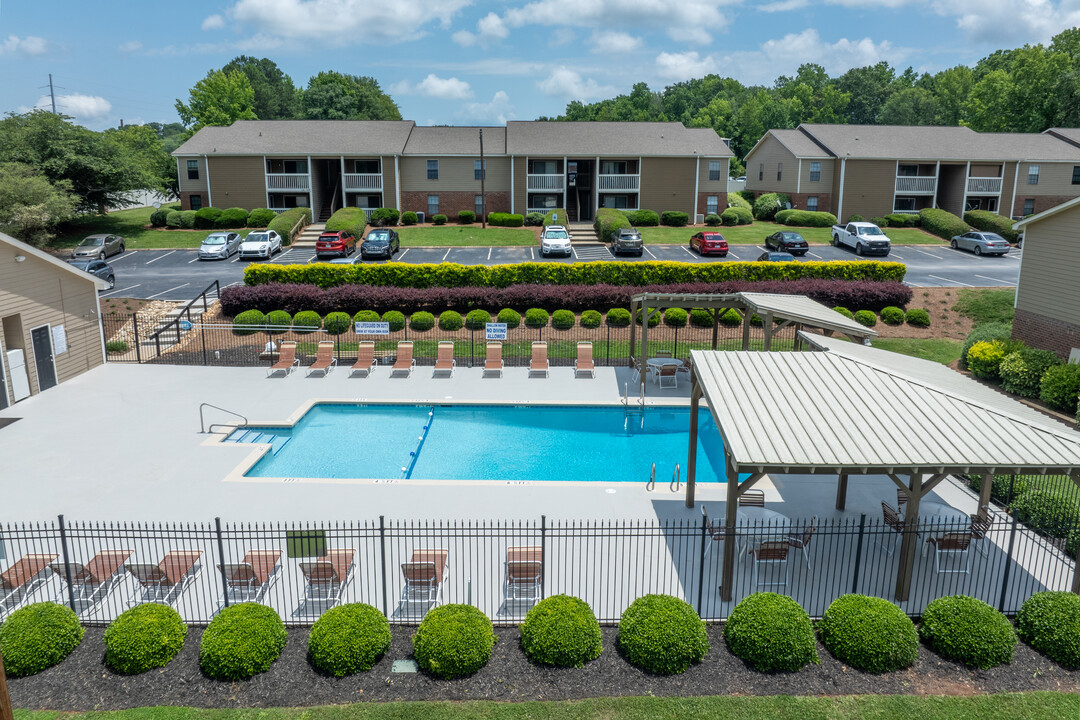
[1033, 175]
[716, 169]
[712, 205]
[478, 206]
[432, 202]
[896, 208]
[815, 171]
[812, 203]
[432, 167]
[479, 173]
[1025, 210]
[779, 171]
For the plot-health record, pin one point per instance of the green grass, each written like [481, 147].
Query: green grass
[465, 235]
[940, 350]
[984, 305]
[1006, 706]
[134, 226]
[755, 234]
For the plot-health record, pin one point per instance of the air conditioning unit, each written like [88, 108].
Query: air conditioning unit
[699, 219]
[420, 218]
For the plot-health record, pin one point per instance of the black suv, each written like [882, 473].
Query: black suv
[100, 268]
[785, 241]
[380, 242]
[627, 240]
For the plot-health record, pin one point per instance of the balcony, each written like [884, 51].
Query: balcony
[363, 181]
[916, 185]
[619, 182]
[984, 186]
[287, 181]
[544, 182]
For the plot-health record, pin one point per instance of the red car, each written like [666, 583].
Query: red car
[709, 243]
[335, 244]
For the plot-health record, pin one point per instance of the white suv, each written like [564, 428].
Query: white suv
[555, 240]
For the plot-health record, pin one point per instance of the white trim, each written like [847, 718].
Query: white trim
[1012, 205]
[397, 183]
[596, 182]
[209, 192]
[937, 180]
[565, 186]
[311, 192]
[963, 203]
[511, 184]
[52, 355]
[266, 181]
[3, 379]
[697, 179]
[341, 177]
[179, 179]
[840, 200]
[42, 255]
[798, 178]
[101, 327]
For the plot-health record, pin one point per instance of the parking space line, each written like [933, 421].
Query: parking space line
[1007, 282]
[949, 280]
[573, 253]
[446, 254]
[160, 257]
[532, 252]
[936, 257]
[196, 259]
[687, 251]
[281, 255]
[114, 292]
[897, 255]
[733, 254]
[650, 252]
[237, 258]
[168, 291]
[403, 254]
[810, 253]
[489, 254]
[125, 255]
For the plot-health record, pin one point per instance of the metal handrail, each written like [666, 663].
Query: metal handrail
[202, 422]
[673, 486]
[186, 311]
[651, 485]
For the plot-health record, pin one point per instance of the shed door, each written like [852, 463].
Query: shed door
[43, 357]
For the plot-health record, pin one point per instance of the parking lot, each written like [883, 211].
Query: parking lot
[179, 275]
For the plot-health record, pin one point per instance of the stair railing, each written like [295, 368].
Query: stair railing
[174, 325]
[202, 422]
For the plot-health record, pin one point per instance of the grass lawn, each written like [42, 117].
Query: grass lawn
[464, 235]
[1007, 706]
[985, 305]
[134, 226]
[940, 350]
[755, 234]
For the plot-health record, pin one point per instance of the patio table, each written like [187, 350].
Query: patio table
[761, 524]
[654, 365]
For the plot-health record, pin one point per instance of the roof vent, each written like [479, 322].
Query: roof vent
[260, 133]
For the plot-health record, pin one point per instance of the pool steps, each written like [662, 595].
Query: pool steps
[242, 436]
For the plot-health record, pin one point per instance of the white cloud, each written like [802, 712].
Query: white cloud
[561, 36]
[613, 42]
[683, 66]
[29, 45]
[684, 21]
[498, 111]
[77, 105]
[489, 30]
[566, 83]
[436, 87]
[213, 22]
[783, 6]
[130, 46]
[1010, 21]
[344, 21]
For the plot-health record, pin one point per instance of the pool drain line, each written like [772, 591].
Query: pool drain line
[406, 472]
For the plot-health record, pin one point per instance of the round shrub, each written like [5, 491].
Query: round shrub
[968, 630]
[511, 317]
[348, 639]
[396, 318]
[869, 633]
[241, 641]
[1060, 387]
[145, 637]
[248, 318]
[38, 636]
[337, 323]
[438, 219]
[232, 218]
[371, 316]
[381, 217]
[771, 632]
[674, 218]
[280, 320]
[306, 321]
[675, 317]
[159, 216]
[172, 219]
[662, 634]
[985, 333]
[845, 312]
[534, 219]
[421, 321]
[205, 218]
[712, 220]
[1050, 622]
[466, 217]
[477, 319]
[450, 320]
[700, 317]
[260, 218]
[536, 318]
[892, 315]
[736, 216]
[654, 317]
[453, 641]
[409, 218]
[731, 318]
[917, 317]
[756, 321]
[984, 358]
[591, 319]
[768, 204]
[643, 218]
[880, 221]
[618, 317]
[563, 319]
[561, 630]
[1022, 371]
[866, 317]
[187, 219]
[856, 218]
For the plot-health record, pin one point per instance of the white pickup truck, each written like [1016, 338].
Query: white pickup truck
[866, 238]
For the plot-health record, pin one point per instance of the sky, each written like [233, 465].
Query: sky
[459, 62]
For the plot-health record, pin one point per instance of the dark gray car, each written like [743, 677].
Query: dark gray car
[627, 240]
[100, 268]
[98, 246]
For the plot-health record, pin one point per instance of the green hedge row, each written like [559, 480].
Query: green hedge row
[806, 218]
[735, 216]
[284, 222]
[991, 222]
[942, 223]
[351, 219]
[642, 218]
[499, 219]
[608, 222]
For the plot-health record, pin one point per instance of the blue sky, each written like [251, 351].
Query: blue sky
[459, 62]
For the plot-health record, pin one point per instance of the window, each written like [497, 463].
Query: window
[478, 172]
[432, 204]
[904, 204]
[907, 170]
[478, 206]
[290, 167]
[433, 171]
[196, 202]
[715, 168]
[1076, 175]
[544, 167]
[613, 167]
[815, 172]
[761, 171]
[779, 171]
[365, 167]
[619, 202]
[1029, 206]
[544, 202]
[811, 203]
[192, 169]
[712, 204]
[1033, 174]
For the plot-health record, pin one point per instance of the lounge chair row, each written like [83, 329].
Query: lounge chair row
[444, 361]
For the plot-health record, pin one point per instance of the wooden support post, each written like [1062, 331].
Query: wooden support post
[908, 547]
[767, 327]
[691, 458]
[727, 581]
[798, 339]
[6, 712]
[746, 315]
[841, 491]
[984, 491]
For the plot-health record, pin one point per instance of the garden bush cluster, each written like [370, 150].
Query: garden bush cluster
[868, 633]
[968, 630]
[145, 637]
[991, 222]
[608, 222]
[38, 636]
[942, 223]
[806, 218]
[350, 219]
[498, 219]
[768, 204]
[284, 222]
[241, 641]
[735, 216]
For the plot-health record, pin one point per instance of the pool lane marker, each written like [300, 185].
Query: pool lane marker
[406, 472]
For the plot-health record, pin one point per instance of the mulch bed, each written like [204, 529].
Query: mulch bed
[82, 682]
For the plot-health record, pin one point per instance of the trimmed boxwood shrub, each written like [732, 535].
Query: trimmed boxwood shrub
[477, 319]
[421, 321]
[350, 219]
[409, 218]
[917, 317]
[438, 219]
[306, 321]
[991, 222]
[511, 317]
[737, 216]
[348, 639]
[855, 217]
[241, 641]
[712, 220]
[591, 319]
[466, 217]
[985, 332]
[942, 223]
[453, 641]
[261, 217]
[145, 637]
[536, 318]
[902, 220]
[286, 221]
[535, 219]
[187, 219]
[984, 359]
[499, 219]
[608, 222]
[372, 316]
[280, 320]
[737, 200]
[868, 633]
[232, 218]
[562, 319]
[618, 317]
[654, 316]
[1022, 371]
[662, 634]
[892, 315]
[866, 317]
[1050, 513]
[1000, 487]
[384, 216]
[643, 218]
[450, 320]
[158, 217]
[172, 219]
[771, 632]
[38, 636]
[337, 323]
[700, 317]
[880, 221]
[550, 215]
[806, 218]
[674, 218]
[561, 630]
[206, 217]
[768, 204]
[396, 318]
[731, 318]
[675, 317]
[1050, 622]
[248, 317]
[756, 321]
[968, 630]
[1060, 387]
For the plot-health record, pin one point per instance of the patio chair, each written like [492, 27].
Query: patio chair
[444, 363]
[92, 582]
[892, 520]
[365, 359]
[802, 540]
[717, 532]
[326, 577]
[685, 369]
[635, 370]
[771, 554]
[493, 362]
[405, 361]
[667, 376]
[524, 568]
[901, 499]
[954, 544]
[584, 362]
[287, 360]
[539, 362]
[250, 579]
[752, 498]
[23, 578]
[424, 575]
[324, 359]
[980, 526]
[166, 581]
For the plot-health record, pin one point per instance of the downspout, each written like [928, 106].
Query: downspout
[697, 179]
[1016, 177]
[840, 200]
[266, 183]
[511, 184]
[397, 183]
[798, 179]
[209, 192]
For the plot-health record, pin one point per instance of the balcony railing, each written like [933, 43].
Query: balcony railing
[620, 182]
[984, 185]
[363, 181]
[917, 185]
[545, 182]
[287, 181]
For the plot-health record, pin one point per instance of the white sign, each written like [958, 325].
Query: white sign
[495, 331]
[372, 328]
[59, 340]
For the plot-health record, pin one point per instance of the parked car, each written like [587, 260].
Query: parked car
[1020, 241]
[380, 242]
[220, 246]
[99, 246]
[555, 240]
[980, 243]
[260, 244]
[709, 243]
[627, 240]
[335, 244]
[866, 238]
[347, 261]
[100, 268]
[775, 257]
[786, 241]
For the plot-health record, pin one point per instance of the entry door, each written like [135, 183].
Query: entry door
[43, 357]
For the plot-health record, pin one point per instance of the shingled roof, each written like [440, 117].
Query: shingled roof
[455, 141]
[301, 137]
[612, 138]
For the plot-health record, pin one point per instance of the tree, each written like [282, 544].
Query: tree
[31, 206]
[218, 99]
[986, 106]
[276, 97]
[952, 88]
[910, 106]
[869, 88]
[335, 96]
[142, 147]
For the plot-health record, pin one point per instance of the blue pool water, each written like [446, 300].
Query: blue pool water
[486, 443]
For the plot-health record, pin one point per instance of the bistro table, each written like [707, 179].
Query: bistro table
[761, 524]
[939, 516]
[654, 365]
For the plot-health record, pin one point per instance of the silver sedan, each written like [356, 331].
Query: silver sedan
[981, 243]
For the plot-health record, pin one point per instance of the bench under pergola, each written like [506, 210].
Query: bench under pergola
[830, 413]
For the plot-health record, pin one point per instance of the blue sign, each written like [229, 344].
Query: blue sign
[495, 331]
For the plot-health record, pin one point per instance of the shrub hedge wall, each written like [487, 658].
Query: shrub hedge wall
[608, 222]
[674, 218]
[1022, 371]
[352, 219]
[284, 222]
[942, 223]
[550, 215]
[499, 219]
[991, 222]
[261, 218]
[736, 216]
[806, 218]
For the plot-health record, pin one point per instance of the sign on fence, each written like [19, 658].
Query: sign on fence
[372, 328]
[495, 331]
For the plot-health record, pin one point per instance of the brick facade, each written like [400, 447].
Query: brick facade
[1045, 332]
[185, 198]
[1042, 202]
[453, 202]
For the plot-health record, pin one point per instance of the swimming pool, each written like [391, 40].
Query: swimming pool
[485, 442]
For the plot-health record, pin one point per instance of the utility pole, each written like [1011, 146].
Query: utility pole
[483, 177]
[52, 96]
[6, 713]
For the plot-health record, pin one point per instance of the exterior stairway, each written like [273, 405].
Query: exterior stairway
[309, 235]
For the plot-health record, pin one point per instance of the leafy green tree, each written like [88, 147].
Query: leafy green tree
[276, 97]
[218, 99]
[986, 105]
[30, 205]
[142, 147]
[335, 96]
[171, 134]
[952, 88]
[869, 88]
[910, 106]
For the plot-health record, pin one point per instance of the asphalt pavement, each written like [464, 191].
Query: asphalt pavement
[180, 275]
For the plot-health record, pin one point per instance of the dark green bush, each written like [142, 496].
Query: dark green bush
[261, 217]
[145, 637]
[38, 636]
[372, 316]
[187, 219]
[337, 323]
[1003, 489]
[206, 217]
[991, 222]
[985, 333]
[866, 317]
[477, 319]
[1051, 513]
[618, 317]
[562, 319]
[700, 317]
[172, 219]
[654, 317]
[1022, 371]
[284, 223]
[806, 218]
[421, 321]
[756, 321]
[892, 315]
[241, 641]
[942, 223]
[453, 641]
[280, 320]
[771, 632]
[511, 317]
[675, 317]
[246, 318]
[1050, 623]
[466, 217]
[383, 217]
[550, 215]
[506, 219]
[968, 630]
[845, 312]
[232, 218]
[409, 218]
[736, 216]
[856, 218]
[350, 219]
[450, 320]
[1060, 387]
[673, 218]
[731, 318]
[880, 221]
[396, 319]
[536, 318]
[438, 219]
[306, 321]
[608, 222]
[768, 204]
[535, 219]
[561, 631]
[917, 317]
[662, 634]
[159, 216]
[643, 218]
[591, 319]
[902, 220]
[869, 633]
[348, 639]
[713, 220]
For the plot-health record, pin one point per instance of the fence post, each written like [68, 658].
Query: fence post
[138, 351]
[607, 352]
[701, 561]
[382, 553]
[858, 553]
[543, 554]
[67, 563]
[675, 352]
[1008, 562]
[472, 348]
[221, 566]
[202, 334]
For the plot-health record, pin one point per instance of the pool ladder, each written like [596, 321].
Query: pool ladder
[673, 486]
[638, 411]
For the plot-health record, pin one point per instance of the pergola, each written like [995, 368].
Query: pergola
[836, 414]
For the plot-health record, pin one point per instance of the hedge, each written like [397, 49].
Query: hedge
[713, 220]
[172, 219]
[206, 218]
[662, 634]
[158, 217]
[942, 223]
[241, 641]
[284, 222]
[562, 631]
[549, 217]
[591, 319]
[337, 323]
[409, 218]
[737, 200]
[421, 321]
[249, 321]
[768, 204]
[917, 317]
[477, 319]
[499, 219]
[232, 218]
[1060, 387]
[1050, 622]
[968, 630]
[643, 218]
[562, 319]
[991, 222]
[512, 318]
[1022, 371]
[984, 333]
[38, 636]
[806, 218]
[536, 318]
[673, 218]
[1050, 513]
[453, 641]
[903, 220]
[450, 320]
[534, 219]
[384, 216]
[736, 216]
[348, 639]
[618, 317]
[771, 632]
[880, 221]
[466, 217]
[306, 321]
[260, 218]
[608, 222]
[866, 317]
[145, 637]
[892, 315]
[984, 359]
[350, 219]
[869, 633]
